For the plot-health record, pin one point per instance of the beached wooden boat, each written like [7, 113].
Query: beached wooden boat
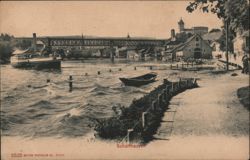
[140, 80]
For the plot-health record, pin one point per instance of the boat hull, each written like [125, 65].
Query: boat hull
[55, 64]
[139, 81]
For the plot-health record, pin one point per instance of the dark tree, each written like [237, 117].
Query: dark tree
[6, 47]
[236, 12]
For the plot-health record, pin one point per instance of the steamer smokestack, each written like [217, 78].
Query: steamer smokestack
[34, 42]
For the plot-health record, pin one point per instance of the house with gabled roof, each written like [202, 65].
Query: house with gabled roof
[194, 47]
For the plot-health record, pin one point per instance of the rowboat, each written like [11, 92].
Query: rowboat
[140, 80]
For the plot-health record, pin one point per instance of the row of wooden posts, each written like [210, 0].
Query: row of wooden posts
[182, 65]
[162, 99]
[70, 80]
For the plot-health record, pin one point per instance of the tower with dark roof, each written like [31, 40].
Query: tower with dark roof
[181, 26]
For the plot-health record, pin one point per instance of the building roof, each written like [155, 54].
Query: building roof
[181, 46]
[176, 42]
[181, 21]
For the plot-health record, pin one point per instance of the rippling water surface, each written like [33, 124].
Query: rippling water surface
[31, 107]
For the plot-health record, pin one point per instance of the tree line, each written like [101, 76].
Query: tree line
[8, 44]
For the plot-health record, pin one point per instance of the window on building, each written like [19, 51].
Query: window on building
[197, 44]
[197, 39]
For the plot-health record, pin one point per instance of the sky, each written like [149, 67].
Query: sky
[99, 18]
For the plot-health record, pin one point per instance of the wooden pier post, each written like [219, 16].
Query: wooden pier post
[153, 107]
[173, 87]
[170, 66]
[159, 101]
[194, 81]
[98, 72]
[120, 69]
[128, 134]
[110, 70]
[86, 74]
[70, 83]
[167, 89]
[180, 80]
[48, 80]
[135, 68]
[165, 95]
[144, 119]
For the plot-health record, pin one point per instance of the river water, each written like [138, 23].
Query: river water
[31, 107]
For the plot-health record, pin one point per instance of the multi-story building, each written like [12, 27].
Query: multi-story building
[194, 30]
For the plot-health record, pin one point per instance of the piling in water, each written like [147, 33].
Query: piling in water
[70, 83]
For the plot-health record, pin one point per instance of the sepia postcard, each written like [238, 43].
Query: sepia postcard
[129, 80]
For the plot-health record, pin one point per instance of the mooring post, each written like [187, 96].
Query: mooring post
[151, 67]
[98, 72]
[86, 74]
[167, 89]
[165, 95]
[170, 66]
[70, 83]
[153, 106]
[135, 68]
[120, 69]
[186, 83]
[180, 82]
[48, 80]
[110, 70]
[144, 119]
[177, 66]
[128, 134]
[159, 101]
[189, 83]
[194, 82]
[173, 87]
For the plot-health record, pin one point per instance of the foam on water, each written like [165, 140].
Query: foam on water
[31, 107]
